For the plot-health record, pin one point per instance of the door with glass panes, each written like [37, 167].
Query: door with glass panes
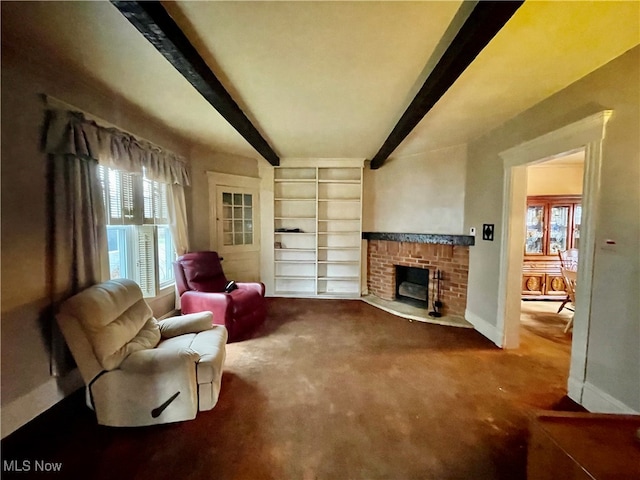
[237, 234]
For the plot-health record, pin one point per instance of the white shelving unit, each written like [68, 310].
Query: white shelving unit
[318, 229]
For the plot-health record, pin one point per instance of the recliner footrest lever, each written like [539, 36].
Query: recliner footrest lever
[156, 412]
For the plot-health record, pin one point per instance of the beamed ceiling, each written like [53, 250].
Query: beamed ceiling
[327, 79]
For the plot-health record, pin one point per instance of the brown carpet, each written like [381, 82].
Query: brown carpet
[330, 389]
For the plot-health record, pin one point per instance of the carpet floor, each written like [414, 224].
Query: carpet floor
[330, 389]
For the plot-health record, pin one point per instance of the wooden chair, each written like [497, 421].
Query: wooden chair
[569, 259]
[569, 270]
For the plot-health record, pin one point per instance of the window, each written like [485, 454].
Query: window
[237, 218]
[138, 235]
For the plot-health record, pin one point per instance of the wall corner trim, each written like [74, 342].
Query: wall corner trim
[484, 327]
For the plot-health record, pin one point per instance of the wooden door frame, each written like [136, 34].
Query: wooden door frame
[215, 180]
[587, 134]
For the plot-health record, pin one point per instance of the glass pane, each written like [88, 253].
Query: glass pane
[226, 198]
[577, 221]
[248, 238]
[248, 213]
[227, 226]
[248, 200]
[237, 239]
[248, 226]
[226, 213]
[237, 199]
[535, 214]
[237, 213]
[228, 238]
[166, 255]
[237, 226]
[558, 229]
[116, 244]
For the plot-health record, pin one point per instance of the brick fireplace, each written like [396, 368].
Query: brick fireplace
[447, 253]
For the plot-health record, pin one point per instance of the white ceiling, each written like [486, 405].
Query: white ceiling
[328, 79]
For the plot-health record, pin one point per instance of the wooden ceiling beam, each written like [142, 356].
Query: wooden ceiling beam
[482, 24]
[157, 26]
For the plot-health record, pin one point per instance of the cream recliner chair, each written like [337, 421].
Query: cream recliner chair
[138, 370]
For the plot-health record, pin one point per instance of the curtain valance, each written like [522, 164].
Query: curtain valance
[70, 133]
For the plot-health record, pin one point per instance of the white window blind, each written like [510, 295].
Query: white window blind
[156, 210]
[146, 271]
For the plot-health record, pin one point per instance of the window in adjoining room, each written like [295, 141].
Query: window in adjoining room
[138, 235]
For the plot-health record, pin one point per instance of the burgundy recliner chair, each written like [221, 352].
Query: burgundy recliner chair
[201, 285]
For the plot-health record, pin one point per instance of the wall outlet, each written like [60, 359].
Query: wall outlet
[472, 231]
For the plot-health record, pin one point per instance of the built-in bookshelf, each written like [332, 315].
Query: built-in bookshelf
[317, 229]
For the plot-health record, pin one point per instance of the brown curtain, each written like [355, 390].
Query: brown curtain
[77, 253]
[78, 256]
[78, 244]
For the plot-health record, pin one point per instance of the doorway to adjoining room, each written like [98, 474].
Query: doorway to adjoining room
[553, 219]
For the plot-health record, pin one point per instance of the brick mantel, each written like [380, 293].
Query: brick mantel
[451, 260]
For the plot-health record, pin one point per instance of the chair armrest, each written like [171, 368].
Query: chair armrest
[218, 297]
[154, 360]
[257, 286]
[189, 323]
[216, 303]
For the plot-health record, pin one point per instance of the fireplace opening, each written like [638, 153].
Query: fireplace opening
[412, 286]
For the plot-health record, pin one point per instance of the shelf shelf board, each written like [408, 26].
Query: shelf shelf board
[294, 218]
[346, 232]
[341, 279]
[295, 180]
[341, 200]
[293, 277]
[338, 248]
[291, 199]
[344, 182]
[340, 262]
[295, 233]
[307, 262]
[338, 219]
[295, 249]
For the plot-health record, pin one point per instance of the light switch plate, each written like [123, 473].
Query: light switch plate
[487, 231]
[472, 231]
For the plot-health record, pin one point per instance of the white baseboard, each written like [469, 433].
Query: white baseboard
[485, 328]
[598, 401]
[27, 407]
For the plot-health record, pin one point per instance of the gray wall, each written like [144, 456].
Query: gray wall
[421, 193]
[613, 359]
[204, 160]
